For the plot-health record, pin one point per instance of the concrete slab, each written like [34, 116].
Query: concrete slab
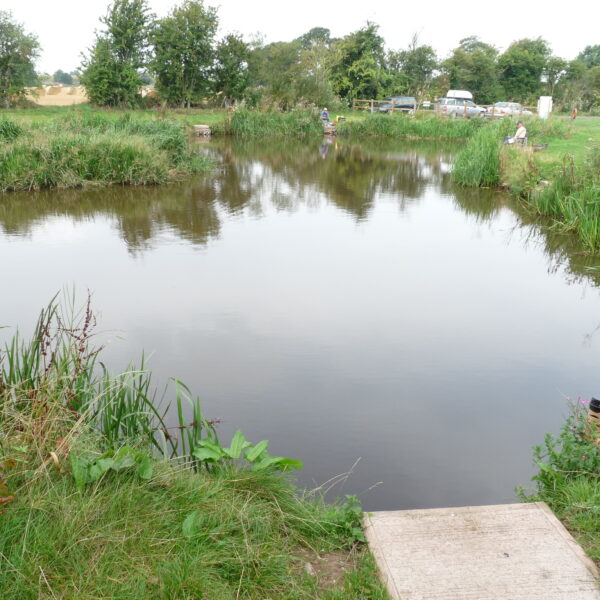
[503, 552]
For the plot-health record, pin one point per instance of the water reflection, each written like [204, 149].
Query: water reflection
[342, 299]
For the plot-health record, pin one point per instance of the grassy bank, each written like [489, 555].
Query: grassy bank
[570, 192]
[100, 498]
[568, 478]
[426, 127]
[78, 148]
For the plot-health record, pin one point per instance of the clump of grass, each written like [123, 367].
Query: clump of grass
[78, 521]
[80, 148]
[246, 123]
[572, 199]
[568, 480]
[9, 130]
[432, 128]
[478, 164]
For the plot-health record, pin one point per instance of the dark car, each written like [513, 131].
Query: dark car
[402, 103]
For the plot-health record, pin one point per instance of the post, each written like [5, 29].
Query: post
[372, 103]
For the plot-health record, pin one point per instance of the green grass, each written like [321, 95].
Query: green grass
[406, 126]
[89, 511]
[569, 479]
[75, 148]
[252, 123]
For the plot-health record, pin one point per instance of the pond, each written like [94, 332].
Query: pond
[340, 298]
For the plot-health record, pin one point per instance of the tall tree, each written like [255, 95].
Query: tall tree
[231, 68]
[360, 71]
[472, 66]
[521, 68]
[184, 52]
[18, 51]
[112, 72]
[555, 68]
[413, 68]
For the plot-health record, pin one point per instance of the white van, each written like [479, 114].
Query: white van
[460, 94]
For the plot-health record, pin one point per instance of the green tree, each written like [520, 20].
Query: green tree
[521, 68]
[112, 72]
[360, 69]
[184, 52]
[18, 51]
[412, 69]
[590, 56]
[473, 66]
[231, 68]
[62, 77]
[555, 68]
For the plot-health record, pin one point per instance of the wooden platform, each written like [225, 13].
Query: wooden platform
[503, 552]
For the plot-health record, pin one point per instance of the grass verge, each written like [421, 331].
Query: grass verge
[100, 499]
[569, 481]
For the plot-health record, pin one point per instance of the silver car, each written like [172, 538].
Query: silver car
[459, 107]
[501, 109]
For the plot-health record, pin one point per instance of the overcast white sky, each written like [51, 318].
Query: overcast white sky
[65, 28]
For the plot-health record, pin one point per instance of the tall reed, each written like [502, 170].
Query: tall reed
[405, 126]
[246, 123]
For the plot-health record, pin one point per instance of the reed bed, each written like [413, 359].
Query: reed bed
[478, 164]
[406, 126]
[247, 123]
[85, 148]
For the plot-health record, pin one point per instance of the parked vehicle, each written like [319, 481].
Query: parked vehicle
[501, 109]
[459, 107]
[402, 103]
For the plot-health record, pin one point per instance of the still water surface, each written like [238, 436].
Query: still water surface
[343, 300]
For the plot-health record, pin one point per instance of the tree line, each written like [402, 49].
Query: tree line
[182, 58]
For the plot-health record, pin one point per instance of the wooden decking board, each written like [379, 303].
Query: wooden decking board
[501, 552]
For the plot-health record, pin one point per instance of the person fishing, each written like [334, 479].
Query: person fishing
[325, 116]
[520, 136]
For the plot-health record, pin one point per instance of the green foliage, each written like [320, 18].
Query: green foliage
[244, 122]
[62, 77]
[478, 164]
[347, 517]
[9, 130]
[473, 66]
[209, 451]
[405, 126]
[183, 52]
[521, 68]
[89, 468]
[568, 481]
[359, 70]
[231, 68]
[590, 56]
[112, 72]
[412, 69]
[91, 147]
[573, 198]
[149, 527]
[18, 52]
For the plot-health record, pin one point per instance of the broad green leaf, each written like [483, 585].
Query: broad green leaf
[144, 469]
[79, 470]
[277, 463]
[253, 453]
[238, 443]
[207, 454]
